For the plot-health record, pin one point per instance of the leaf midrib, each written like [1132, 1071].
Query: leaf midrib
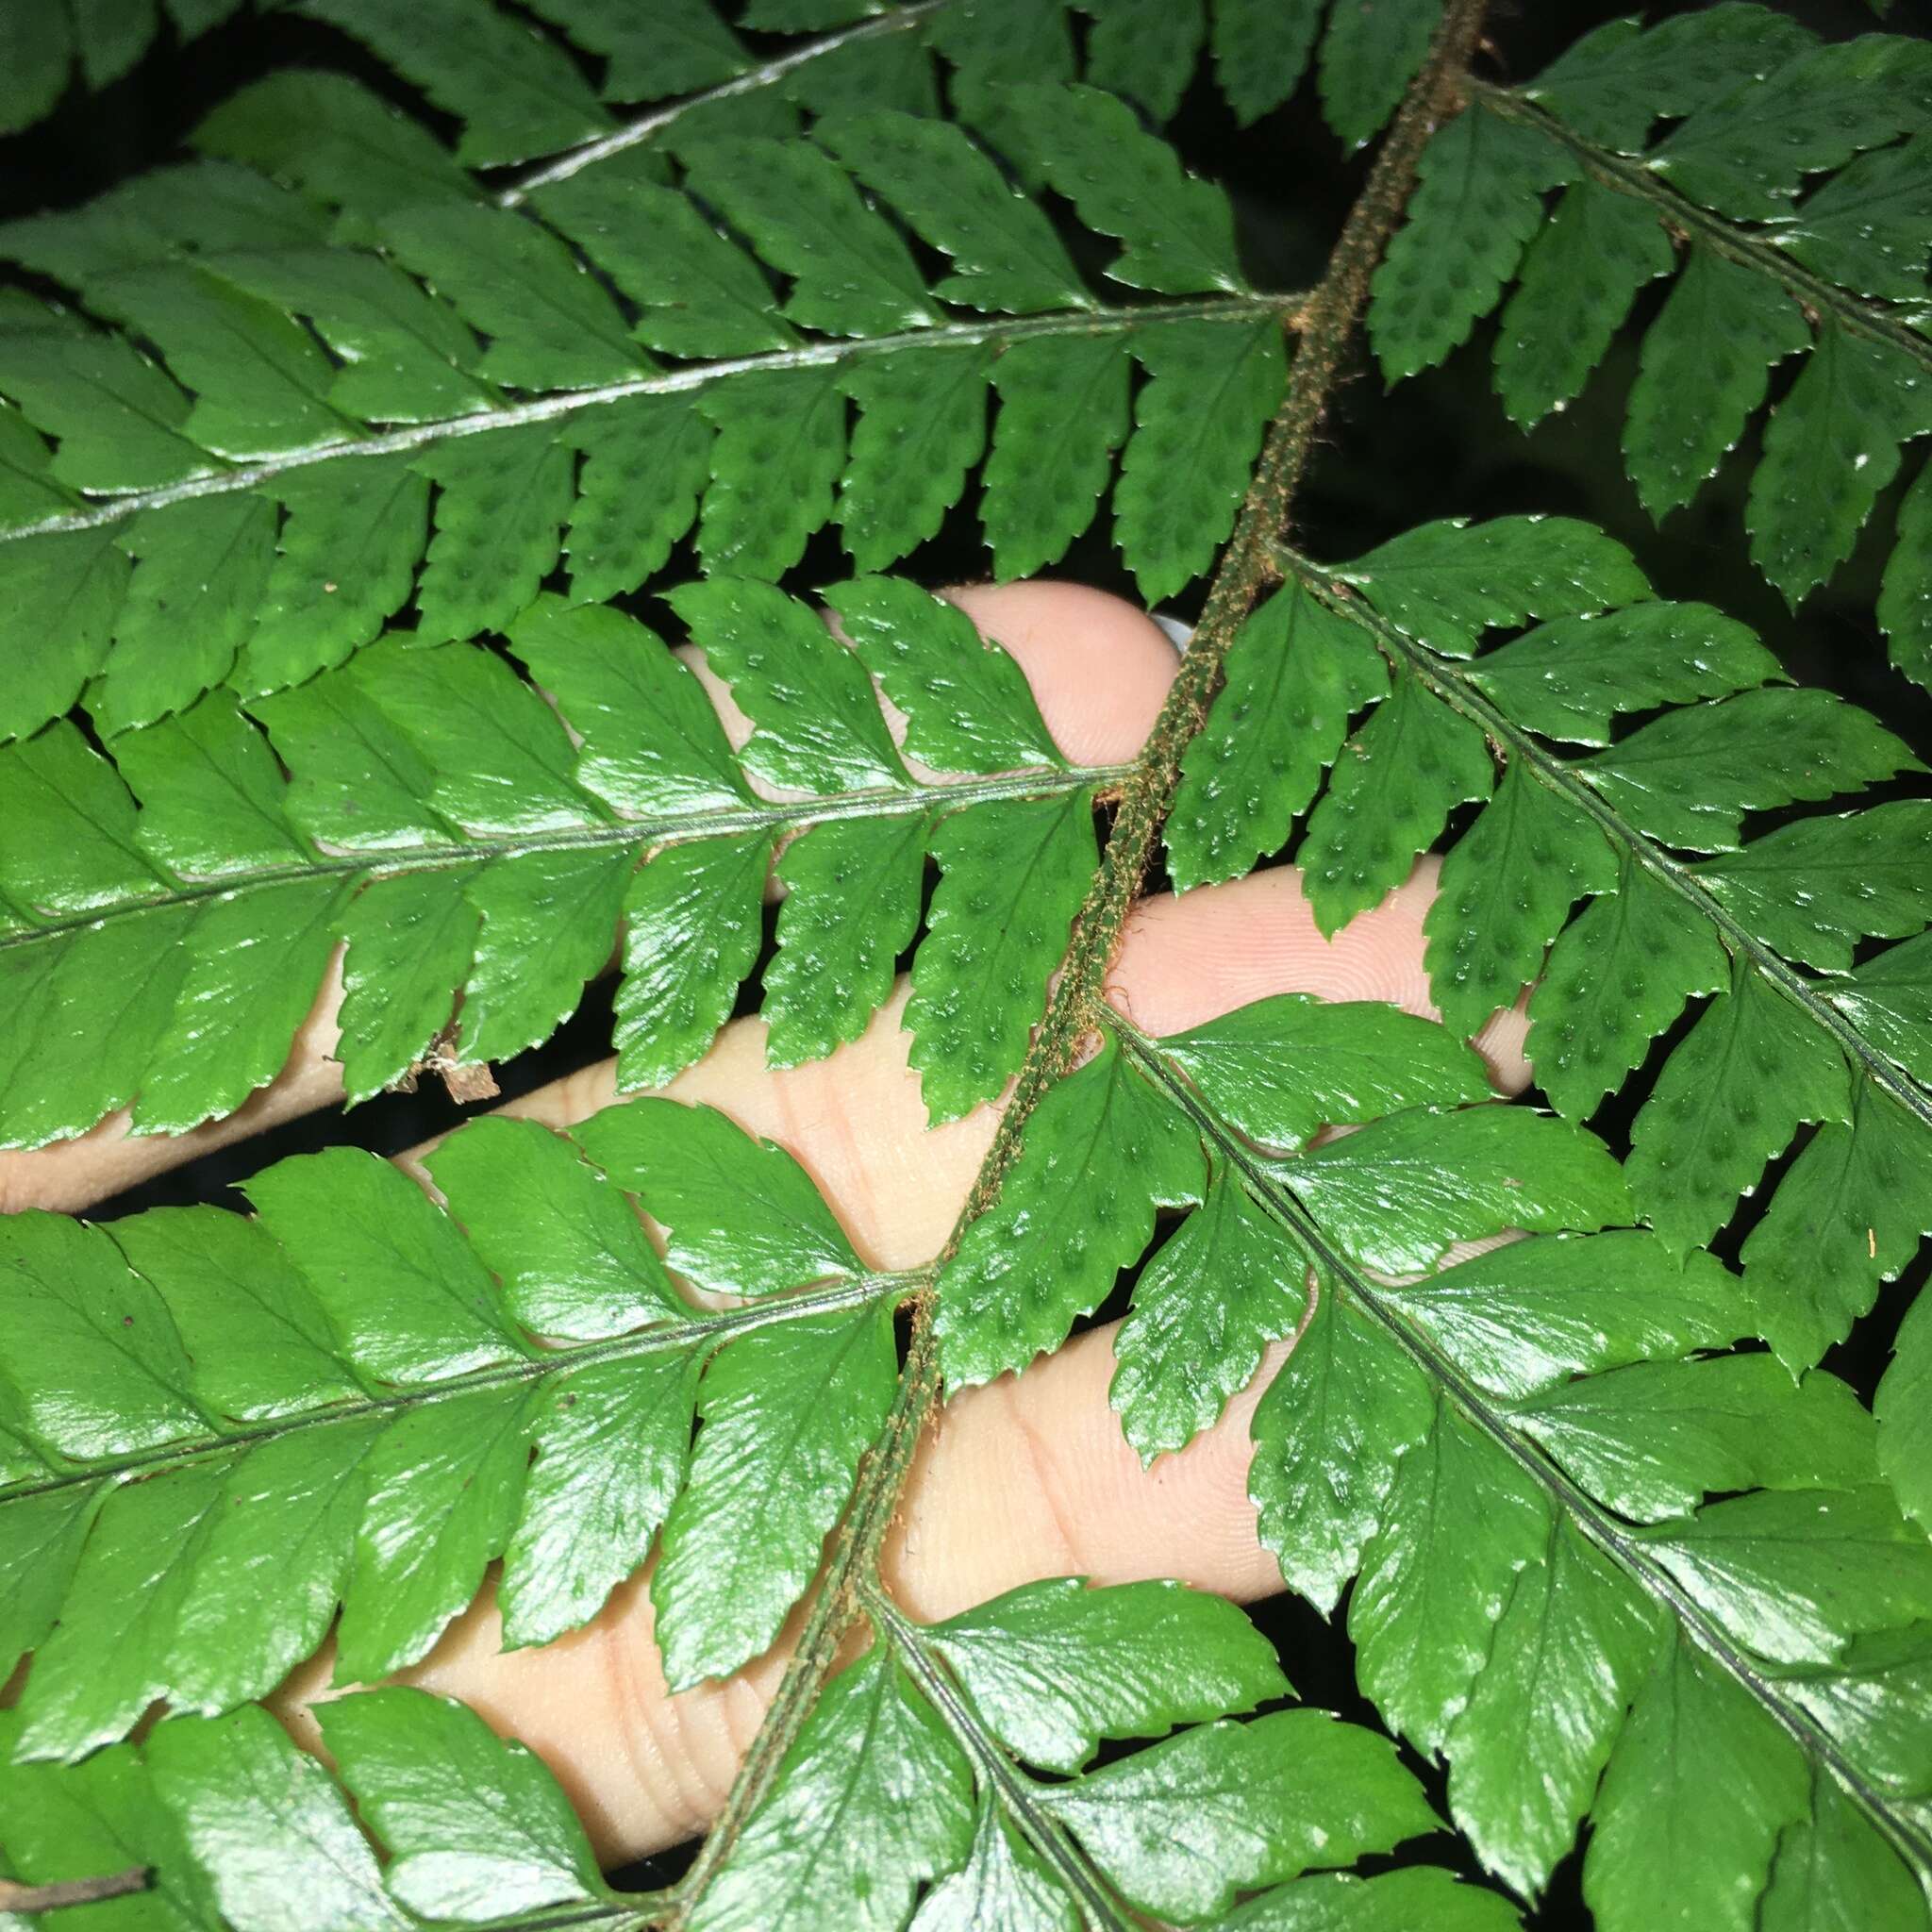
[576, 160]
[698, 1331]
[907, 1643]
[559, 404]
[668, 828]
[1749, 248]
[1621, 1545]
[1452, 684]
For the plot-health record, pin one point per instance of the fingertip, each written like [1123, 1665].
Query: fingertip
[1030, 1477]
[1191, 957]
[1099, 666]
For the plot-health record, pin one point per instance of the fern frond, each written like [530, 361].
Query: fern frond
[1768, 926]
[1794, 192]
[490, 1836]
[291, 487]
[437, 819]
[907, 1753]
[335, 1402]
[1512, 1460]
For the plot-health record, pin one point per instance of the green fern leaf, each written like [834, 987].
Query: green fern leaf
[1446, 583]
[737, 1554]
[1261, 51]
[1504, 894]
[1747, 153]
[1177, 230]
[1182, 1354]
[1762, 113]
[1615, 84]
[83, 1821]
[65, 590]
[1132, 1661]
[1295, 672]
[1523, 1317]
[39, 50]
[1617, 1570]
[1790, 1572]
[1394, 786]
[406, 358]
[874, 1750]
[1716, 338]
[1844, 1220]
[1656, 1438]
[1579, 277]
[201, 570]
[337, 141]
[513, 854]
[1690, 1736]
[1345, 1384]
[1044, 1255]
[1063, 412]
[410, 380]
[550, 325]
[680, 47]
[739, 1216]
[238, 1780]
[451, 1856]
[921, 425]
[1369, 55]
[1615, 980]
[1901, 1404]
[1569, 679]
[1479, 203]
[1831, 446]
[1716, 1119]
[1146, 50]
[1433, 1586]
[1006, 259]
[1573, 1602]
[1667, 777]
[345, 562]
[251, 1353]
[1011, 877]
[1905, 603]
[1232, 1784]
[1462, 1532]
[516, 93]
[118, 417]
[1865, 227]
[1198, 425]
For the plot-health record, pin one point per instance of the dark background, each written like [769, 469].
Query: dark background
[1439, 445]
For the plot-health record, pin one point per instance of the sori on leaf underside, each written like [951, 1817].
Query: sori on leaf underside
[400, 514]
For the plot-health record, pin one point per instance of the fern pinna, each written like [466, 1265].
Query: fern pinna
[413, 517]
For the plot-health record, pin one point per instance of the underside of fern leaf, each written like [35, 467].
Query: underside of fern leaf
[1791, 198]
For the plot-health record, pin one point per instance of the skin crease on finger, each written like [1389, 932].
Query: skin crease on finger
[1028, 1477]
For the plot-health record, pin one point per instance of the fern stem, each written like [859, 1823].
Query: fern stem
[1605, 1530]
[835, 1606]
[1247, 567]
[990, 1764]
[670, 828]
[73, 1891]
[1449, 683]
[576, 159]
[1749, 248]
[562, 403]
[700, 1331]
